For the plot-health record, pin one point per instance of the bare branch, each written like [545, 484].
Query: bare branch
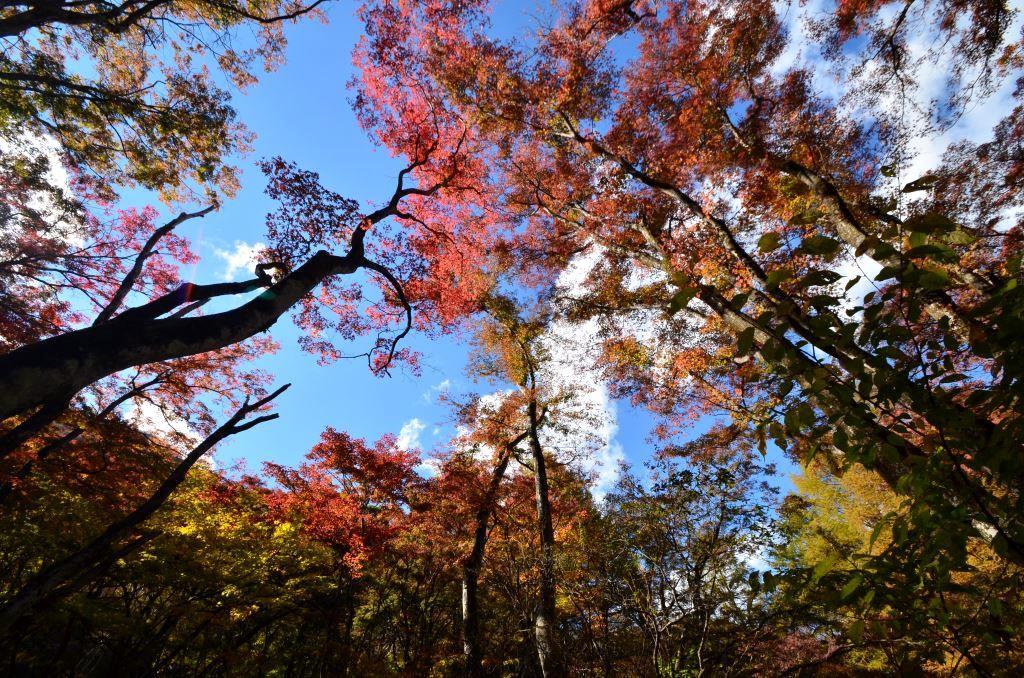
[400, 292]
[188, 293]
[185, 310]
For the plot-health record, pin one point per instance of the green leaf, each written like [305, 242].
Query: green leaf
[888, 170]
[769, 241]
[960, 237]
[823, 277]
[825, 566]
[933, 279]
[739, 301]
[922, 184]
[886, 273]
[820, 244]
[822, 301]
[932, 251]
[779, 275]
[867, 244]
[805, 415]
[745, 341]
[931, 222]
[851, 587]
[681, 299]
[879, 526]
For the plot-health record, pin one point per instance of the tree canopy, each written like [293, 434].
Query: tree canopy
[756, 219]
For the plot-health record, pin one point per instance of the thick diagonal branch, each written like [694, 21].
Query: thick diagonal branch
[58, 367]
[64, 364]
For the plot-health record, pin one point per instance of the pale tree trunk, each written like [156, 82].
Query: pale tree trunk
[545, 623]
[471, 620]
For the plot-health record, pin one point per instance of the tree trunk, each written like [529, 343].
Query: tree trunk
[471, 567]
[545, 628]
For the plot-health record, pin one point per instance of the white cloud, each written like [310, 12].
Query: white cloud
[409, 434]
[573, 352]
[243, 258]
[757, 560]
[430, 468]
[583, 433]
[931, 74]
[437, 389]
[931, 81]
[158, 422]
[32, 146]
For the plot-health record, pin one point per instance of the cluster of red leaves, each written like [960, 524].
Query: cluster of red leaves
[55, 273]
[349, 496]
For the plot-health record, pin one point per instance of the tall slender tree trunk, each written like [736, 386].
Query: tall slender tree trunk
[471, 567]
[471, 571]
[471, 620]
[545, 628]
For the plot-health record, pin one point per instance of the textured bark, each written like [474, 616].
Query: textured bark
[471, 650]
[853, 233]
[471, 572]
